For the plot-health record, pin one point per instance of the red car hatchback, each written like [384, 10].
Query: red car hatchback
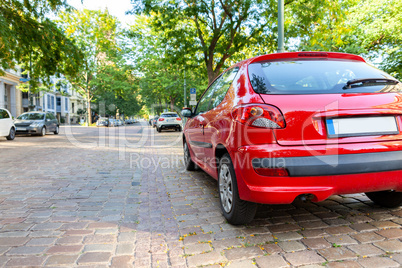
[298, 124]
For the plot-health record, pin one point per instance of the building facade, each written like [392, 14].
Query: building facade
[10, 95]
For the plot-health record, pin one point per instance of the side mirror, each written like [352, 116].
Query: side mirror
[186, 112]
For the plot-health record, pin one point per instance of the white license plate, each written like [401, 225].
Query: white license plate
[20, 128]
[362, 126]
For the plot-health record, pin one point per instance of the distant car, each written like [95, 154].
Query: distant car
[112, 123]
[298, 124]
[7, 128]
[154, 120]
[103, 121]
[38, 123]
[169, 121]
[120, 122]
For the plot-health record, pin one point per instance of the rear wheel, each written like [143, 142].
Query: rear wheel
[56, 131]
[235, 210]
[158, 129]
[43, 131]
[389, 199]
[188, 163]
[11, 135]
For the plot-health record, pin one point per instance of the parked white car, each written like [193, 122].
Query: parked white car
[7, 128]
[169, 121]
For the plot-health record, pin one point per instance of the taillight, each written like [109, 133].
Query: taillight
[161, 119]
[274, 172]
[178, 118]
[259, 115]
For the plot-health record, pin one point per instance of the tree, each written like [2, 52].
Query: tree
[212, 30]
[28, 36]
[95, 33]
[161, 74]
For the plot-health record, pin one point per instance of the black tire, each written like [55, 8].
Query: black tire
[56, 131]
[42, 131]
[11, 135]
[389, 199]
[188, 163]
[235, 210]
[158, 129]
[179, 129]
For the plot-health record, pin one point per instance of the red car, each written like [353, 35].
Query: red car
[300, 124]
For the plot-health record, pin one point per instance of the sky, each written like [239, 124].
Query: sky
[116, 8]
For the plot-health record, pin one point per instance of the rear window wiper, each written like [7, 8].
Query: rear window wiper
[369, 82]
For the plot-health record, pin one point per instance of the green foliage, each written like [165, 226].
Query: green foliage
[27, 36]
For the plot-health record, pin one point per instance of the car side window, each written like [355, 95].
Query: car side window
[204, 102]
[52, 116]
[223, 87]
[48, 116]
[3, 114]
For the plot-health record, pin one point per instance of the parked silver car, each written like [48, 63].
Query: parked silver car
[38, 123]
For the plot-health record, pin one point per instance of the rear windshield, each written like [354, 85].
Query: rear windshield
[317, 77]
[169, 115]
[33, 116]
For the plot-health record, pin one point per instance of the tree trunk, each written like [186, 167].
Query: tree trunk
[172, 100]
[211, 73]
[89, 113]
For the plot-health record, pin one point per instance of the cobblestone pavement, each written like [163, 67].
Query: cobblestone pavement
[119, 197]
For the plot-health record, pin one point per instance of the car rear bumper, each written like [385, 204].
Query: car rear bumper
[320, 175]
[166, 126]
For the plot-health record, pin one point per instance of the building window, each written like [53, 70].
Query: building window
[66, 105]
[49, 102]
[52, 102]
[72, 107]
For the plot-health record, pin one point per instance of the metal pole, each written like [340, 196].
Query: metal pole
[281, 29]
[185, 95]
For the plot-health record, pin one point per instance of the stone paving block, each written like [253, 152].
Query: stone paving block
[241, 264]
[363, 227]
[14, 234]
[281, 228]
[341, 240]
[288, 236]
[369, 237]
[291, 246]
[26, 261]
[313, 225]
[243, 253]
[344, 264]
[46, 226]
[337, 254]
[99, 248]
[366, 250]
[316, 233]
[25, 250]
[378, 262]
[197, 248]
[100, 239]
[316, 243]
[60, 249]
[197, 238]
[339, 230]
[382, 216]
[61, 260]
[69, 240]
[385, 224]
[258, 239]
[390, 246]
[94, 258]
[271, 261]
[391, 233]
[102, 225]
[13, 241]
[205, 259]
[78, 232]
[124, 249]
[126, 237]
[41, 241]
[303, 258]
[122, 261]
[16, 227]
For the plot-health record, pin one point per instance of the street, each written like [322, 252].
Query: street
[120, 197]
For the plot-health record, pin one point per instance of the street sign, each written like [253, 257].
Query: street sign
[24, 79]
[193, 95]
[193, 103]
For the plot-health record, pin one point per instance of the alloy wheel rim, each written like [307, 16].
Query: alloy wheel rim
[226, 188]
[43, 131]
[12, 133]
